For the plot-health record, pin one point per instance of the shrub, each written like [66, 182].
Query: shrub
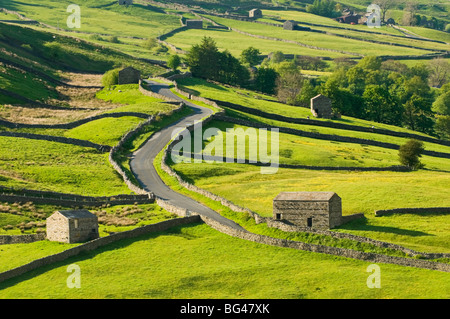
[110, 78]
[410, 153]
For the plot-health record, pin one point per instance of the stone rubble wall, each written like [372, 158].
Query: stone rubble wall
[21, 239]
[425, 210]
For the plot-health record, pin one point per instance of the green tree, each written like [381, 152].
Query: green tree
[174, 62]
[410, 153]
[250, 56]
[381, 106]
[203, 59]
[265, 80]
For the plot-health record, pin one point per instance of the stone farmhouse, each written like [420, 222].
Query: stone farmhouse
[255, 13]
[321, 107]
[129, 75]
[125, 2]
[72, 226]
[194, 24]
[315, 210]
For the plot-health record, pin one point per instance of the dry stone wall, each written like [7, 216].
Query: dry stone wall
[97, 243]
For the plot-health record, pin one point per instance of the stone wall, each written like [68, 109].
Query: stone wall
[335, 251]
[330, 124]
[425, 210]
[58, 139]
[330, 137]
[95, 244]
[21, 239]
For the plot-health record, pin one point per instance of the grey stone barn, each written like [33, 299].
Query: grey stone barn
[290, 25]
[125, 2]
[321, 107]
[255, 13]
[315, 210]
[129, 75]
[72, 226]
[194, 24]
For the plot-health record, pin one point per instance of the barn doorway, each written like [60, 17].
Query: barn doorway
[310, 222]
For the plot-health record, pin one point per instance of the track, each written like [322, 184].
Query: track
[142, 161]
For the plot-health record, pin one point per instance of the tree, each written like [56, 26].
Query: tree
[385, 5]
[410, 153]
[439, 72]
[250, 56]
[231, 71]
[442, 104]
[442, 126]
[326, 8]
[265, 80]
[111, 78]
[174, 62]
[381, 106]
[203, 59]
[289, 86]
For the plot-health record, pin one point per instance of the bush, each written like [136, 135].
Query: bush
[110, 78]
[410, 153]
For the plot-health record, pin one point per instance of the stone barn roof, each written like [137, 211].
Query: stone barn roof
[77, 214]
[306, 196]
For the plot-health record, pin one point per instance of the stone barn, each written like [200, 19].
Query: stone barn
[194, 24]
[315, 210]
[125, 2]
[255, 13]
[129, 75]
[321, 107]
[72, 226]
[290, 25]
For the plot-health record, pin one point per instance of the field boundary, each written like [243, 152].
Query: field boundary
[416, 210]
[95, 244]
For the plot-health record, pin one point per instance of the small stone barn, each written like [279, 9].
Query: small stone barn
[255, 13]
[350, 19]
[321, 107]
[289, 25]
[72, 226]
[125, 2]
[129, 75]
[194, 24]
[316, 210]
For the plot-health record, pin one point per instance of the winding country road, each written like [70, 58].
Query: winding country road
[142, 160]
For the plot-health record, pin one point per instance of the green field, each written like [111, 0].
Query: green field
[218, 266]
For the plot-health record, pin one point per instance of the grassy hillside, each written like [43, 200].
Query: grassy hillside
[218, 266]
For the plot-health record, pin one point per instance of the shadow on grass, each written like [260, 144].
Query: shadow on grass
[175, 231]
[363, 225]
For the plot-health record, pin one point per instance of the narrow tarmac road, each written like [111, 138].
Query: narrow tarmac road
[142, 160]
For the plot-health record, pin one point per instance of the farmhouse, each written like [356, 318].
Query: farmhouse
[317, 210]
[125, 2]
[194, 24]
[129, 75]
[321, 107]
[72, 226]
[350, 19]
[255, 13]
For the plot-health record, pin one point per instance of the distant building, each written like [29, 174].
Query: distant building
[315, 210]
[255, 13]
[129, 75]
[194, 24]
[321, 107]
[349, 19]
[289, 25]
[72, 226]
[125, 2]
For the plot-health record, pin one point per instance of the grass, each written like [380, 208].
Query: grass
[320, 40]
[305, 151]
[58, 167]
[218, 266]
[236, 43]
